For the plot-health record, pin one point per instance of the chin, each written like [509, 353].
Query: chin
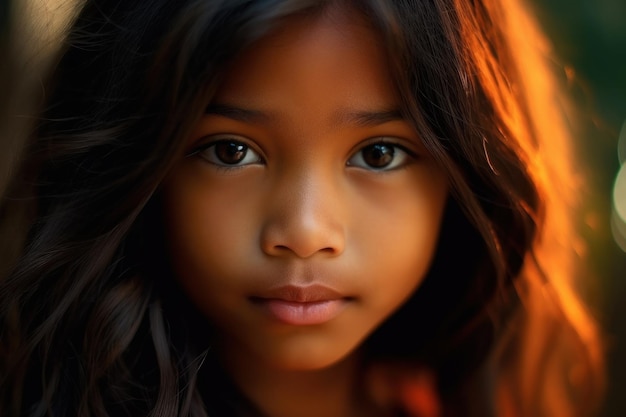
[306, 358]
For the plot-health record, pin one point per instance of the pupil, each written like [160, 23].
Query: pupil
[378, 155]
[230, 152]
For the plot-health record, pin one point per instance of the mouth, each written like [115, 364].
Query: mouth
[301, 306]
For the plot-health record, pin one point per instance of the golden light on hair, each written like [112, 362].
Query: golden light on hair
[549, 295]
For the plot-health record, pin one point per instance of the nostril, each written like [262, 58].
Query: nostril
[299, 238]
[278, 250]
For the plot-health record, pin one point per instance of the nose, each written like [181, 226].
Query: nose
[305, 217]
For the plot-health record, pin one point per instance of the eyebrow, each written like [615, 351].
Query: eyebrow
[360, 118]
[369, 118]
[237, 113]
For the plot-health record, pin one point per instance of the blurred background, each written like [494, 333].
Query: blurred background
[589, 42]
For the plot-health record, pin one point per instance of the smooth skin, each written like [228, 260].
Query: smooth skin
[303, 172]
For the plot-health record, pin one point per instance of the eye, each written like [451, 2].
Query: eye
[380, 156]
[228, 153]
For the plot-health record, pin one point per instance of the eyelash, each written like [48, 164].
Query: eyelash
[356, 160]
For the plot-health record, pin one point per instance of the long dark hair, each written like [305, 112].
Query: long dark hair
[88, 326]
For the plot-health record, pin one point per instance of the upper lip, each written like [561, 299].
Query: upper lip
[301, 294]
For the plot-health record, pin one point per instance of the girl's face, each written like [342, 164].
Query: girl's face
[307, 209]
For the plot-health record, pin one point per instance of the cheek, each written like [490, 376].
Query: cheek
[398, 233]
[208, 233]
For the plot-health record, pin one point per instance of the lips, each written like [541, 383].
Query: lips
[301, 306]
[298, 294]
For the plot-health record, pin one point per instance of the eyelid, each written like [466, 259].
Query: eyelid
[406, 145]
[208, 140]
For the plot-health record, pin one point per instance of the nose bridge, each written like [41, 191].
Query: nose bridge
[305, 213]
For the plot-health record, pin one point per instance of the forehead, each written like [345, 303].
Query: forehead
[331, 59]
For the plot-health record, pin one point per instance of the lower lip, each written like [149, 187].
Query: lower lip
[303, 314]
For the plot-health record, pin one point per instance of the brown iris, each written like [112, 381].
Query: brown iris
[378, 155]
[230, 153]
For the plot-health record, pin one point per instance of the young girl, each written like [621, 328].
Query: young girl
[295, 208]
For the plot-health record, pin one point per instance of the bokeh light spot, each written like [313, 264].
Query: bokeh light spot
[618, 229]
[619, 193]
[621, 144]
